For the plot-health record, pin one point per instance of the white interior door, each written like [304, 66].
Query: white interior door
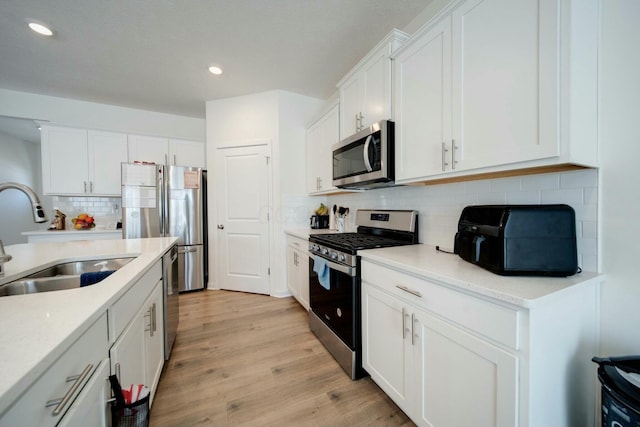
[242, 195]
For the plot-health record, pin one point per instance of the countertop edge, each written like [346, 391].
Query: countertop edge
[450, 279]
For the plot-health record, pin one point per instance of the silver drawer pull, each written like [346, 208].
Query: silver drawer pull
[79, 380]
[411, 291]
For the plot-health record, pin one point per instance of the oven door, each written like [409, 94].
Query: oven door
[334, 298]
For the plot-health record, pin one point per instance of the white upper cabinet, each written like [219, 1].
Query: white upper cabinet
[150, 149]
[81, 162]
[187, 153]
[490, 85]
[320, 137]
[166, 151]
[365, 93]
[423, 105]
[107, 150]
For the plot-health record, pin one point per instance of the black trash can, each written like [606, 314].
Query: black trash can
[620, 392]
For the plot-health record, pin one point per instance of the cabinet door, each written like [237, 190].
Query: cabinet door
[154, 338]
[292, 271]
[148, 149]
[463, 380]
[376, 90]
[128, 354]
[91, 407]
[423, 105]
[504, 82]
[350, 107]
[65, 168]
[314, 152]
[320, 138]
[386, 345]
[303, 270]
[107, 150]
[187, 153]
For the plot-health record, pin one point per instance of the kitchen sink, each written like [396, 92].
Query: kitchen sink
[59, 277]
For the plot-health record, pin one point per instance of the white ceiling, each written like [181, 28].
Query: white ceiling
[154, 54]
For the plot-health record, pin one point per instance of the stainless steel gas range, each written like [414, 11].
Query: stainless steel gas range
[334, 279]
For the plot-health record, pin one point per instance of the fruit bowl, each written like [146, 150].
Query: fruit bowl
[83, 222]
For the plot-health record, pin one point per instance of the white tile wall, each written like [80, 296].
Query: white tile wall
[105, 210]
[440, 205]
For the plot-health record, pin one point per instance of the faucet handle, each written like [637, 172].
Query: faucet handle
[4, 257]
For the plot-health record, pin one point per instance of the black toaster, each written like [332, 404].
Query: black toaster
[533, 240]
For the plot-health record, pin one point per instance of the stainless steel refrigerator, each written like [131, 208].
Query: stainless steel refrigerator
[165, 200]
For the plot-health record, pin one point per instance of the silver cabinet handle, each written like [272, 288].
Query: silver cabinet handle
[150, 328]
[413, 322]
[90, 186]
[220, 227]
[154, 318]
[411, 291]
[85, 186]
[453, 154]
[118, 371]
[65, 400]
[444, 157]
[175, 161]
[404, 327]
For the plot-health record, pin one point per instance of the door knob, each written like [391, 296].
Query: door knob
[220, 227]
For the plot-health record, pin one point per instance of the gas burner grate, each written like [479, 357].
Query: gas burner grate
[357, 241]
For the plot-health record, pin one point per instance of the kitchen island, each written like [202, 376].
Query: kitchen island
[38, 328]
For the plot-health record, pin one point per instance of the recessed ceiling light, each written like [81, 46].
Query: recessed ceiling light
[40, 28]
[214, 69]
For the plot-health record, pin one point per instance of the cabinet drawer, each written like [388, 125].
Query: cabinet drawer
[491, 320]
[121, 313]
[82, 357]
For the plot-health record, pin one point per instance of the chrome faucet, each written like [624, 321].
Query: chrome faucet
[3, 258]
[38, 212]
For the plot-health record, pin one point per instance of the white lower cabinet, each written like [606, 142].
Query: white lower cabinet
[54, 396]
[448, 357]
[137, 356]
[91, 408]
[298, 270]
[431, 368]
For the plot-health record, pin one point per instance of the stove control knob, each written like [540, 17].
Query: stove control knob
[334, 255]
[341, 257]
[325, 251]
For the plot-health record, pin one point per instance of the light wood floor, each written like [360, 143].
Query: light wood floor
[251, 360]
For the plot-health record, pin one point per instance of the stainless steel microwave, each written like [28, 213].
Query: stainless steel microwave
[365, 160]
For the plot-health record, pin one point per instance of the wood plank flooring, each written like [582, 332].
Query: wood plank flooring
[251, 360]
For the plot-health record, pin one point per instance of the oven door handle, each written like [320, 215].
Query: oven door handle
[339, 267]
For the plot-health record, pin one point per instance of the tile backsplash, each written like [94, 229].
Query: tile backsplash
[106, 210]
[440, 206]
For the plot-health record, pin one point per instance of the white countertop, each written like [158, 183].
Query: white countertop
[304, 233]
[451, 270]
[37, 328]
[88, 232]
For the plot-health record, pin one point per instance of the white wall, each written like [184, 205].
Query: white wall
[281, 118]
[19, 162]
[92, 115]
[620, 194]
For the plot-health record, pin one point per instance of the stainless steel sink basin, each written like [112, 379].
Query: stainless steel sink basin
[59, 277]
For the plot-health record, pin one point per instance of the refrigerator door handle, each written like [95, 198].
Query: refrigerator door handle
[186, 250]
